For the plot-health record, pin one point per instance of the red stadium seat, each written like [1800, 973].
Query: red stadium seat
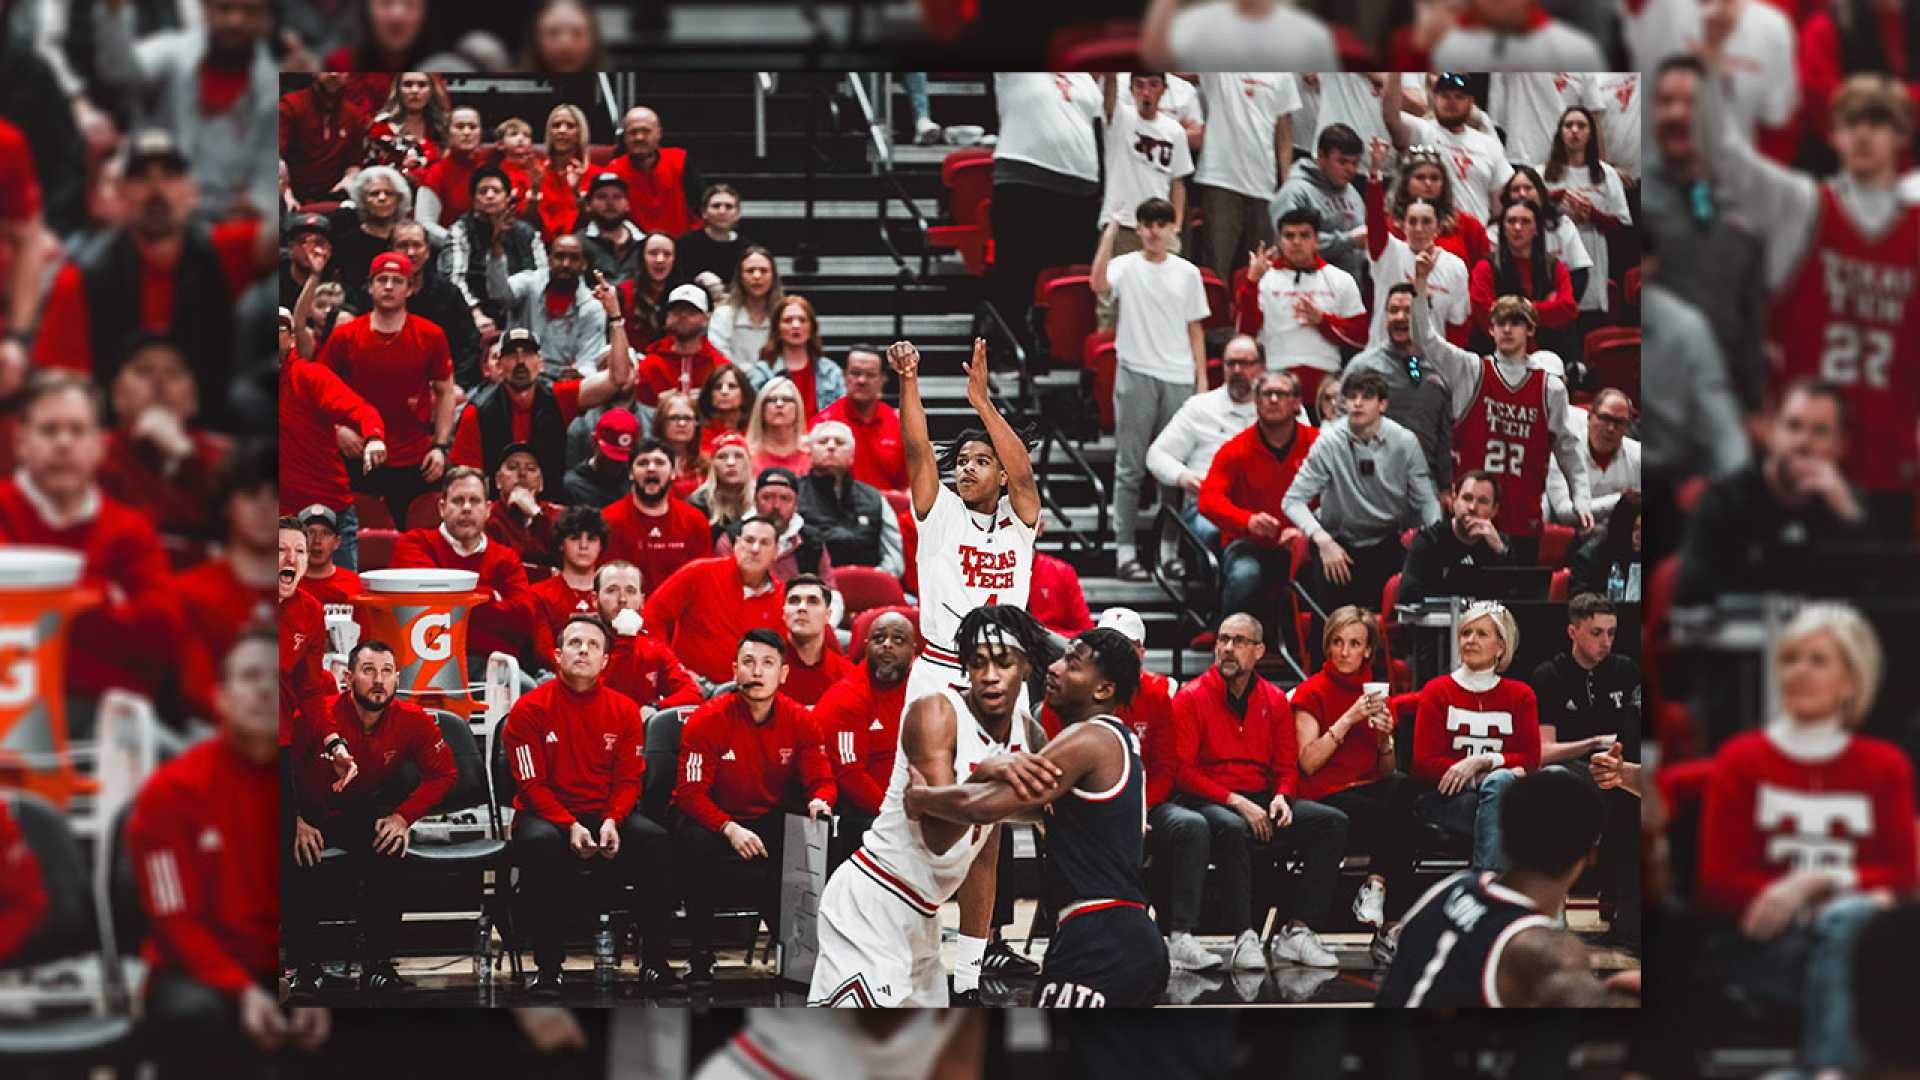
[1113, 45]
[1557, 588]
[1219, 301]
[1216, 372]
[1045, 277]
[968, 176]
[371, 510]
[1389, 596]
[1103, 358]
[1630, 286]
[376, 548]
[863, 622]
[601, 153]
[424, 511]
[1071, 316]
[902, 503]
[1555, 540]
[1684, 782]
[1613, 356]
[864, 588]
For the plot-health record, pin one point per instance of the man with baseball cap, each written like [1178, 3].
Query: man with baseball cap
[613, 242]
[521, 518]
[161, 273]
[309, 240]
[653, 528]
[401, 364]
[324, 581]
[601, 480]
[776, 497]
[1453, 133]
[682, 358]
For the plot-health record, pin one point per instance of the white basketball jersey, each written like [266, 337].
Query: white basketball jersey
[897, 844]
[815, 1044]
[967, 560]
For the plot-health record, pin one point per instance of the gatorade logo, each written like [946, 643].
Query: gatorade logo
[19, 674]
[437, 646]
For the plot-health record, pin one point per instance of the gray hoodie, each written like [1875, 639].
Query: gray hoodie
[1341, 211]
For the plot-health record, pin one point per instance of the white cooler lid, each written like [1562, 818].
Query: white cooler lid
[420, 581]
[31, 567]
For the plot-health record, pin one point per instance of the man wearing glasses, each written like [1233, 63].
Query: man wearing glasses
[1183, 452]
[1242, 496]
[1613, 460]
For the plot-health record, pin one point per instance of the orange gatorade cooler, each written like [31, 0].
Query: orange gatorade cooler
[39, 595]
[422, 616]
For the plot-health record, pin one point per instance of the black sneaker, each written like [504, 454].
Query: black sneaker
[700, 969]
[659, 977]
[312, 979]
[963, 999]
[382, 978]
[1000, 959]
[547, 984]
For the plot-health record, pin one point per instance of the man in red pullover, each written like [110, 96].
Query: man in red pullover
[879, 457]
[659, 181]
[577, 748]
[706, 605]
[23, 893]
[201, 837]
[582, 536]
[652, 528]
[814, 659]
[132, 640]
[859, 716]
[460, 543]
[1236, 762]
[1243, 489]
[313, 402]
[641, 666]
[369, 819]
[234, 589]
[745, 756]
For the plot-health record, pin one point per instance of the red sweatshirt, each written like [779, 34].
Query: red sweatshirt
[644, 669]
[554, 602]
[1218, 753]
[450, 178]
[179, 503]
[1326, 696]
[807, 685]
[863, 722]
[702, 611]
[532, 537]
[1055, 598]
[1247, 478]
[662, 369]
[1150, 715]
[206, 851]
[339, 587]
[305, 685]
[1453, 721]
[1769, 812]
[403, 733]
[216, 606]
[23, 895]
[132, 640]
[657, 545]
[732, 769]
[312, 400]
[1553, 312]
[576, 757]
[506, 624]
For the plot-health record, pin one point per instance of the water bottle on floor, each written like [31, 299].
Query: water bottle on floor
[603, 953]
[482, 968]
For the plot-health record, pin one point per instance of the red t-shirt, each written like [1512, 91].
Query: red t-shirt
[394, 373]
[305, 684]
[656, 199]
[339, 587]
[1218, 753]
[732, 769]
[449, 178]
[879, 457]
[862, 723]
[702, 611]
[312, 400]
[404, 733]
[554, 602]
[467, 447]
[576, 757]
[19, 183]
[806, 684]
[1453, 721]
[1326, 696]
[657, 545]
[320, 142]
[532, 537]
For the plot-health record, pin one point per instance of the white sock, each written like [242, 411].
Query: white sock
[966, 965]
[1125, 554]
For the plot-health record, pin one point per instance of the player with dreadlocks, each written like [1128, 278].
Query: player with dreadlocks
[976, 548]
[879, 920]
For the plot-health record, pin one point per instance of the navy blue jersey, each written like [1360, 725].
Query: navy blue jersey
[1450, 944]
[1095, 839]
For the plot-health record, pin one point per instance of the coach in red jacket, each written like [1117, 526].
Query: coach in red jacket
[577, 753]
[641, 667]
[201, 836]
[460, 543]
[1236, 762]
[859, 716]
[706, 605]
[743, 757]
[369, 819]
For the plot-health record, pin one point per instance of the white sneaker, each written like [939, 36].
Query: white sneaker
[1384, 945]
[1186, 954]
[1370, 904]
[1300, 945]
[1247, 954]
[927, 133]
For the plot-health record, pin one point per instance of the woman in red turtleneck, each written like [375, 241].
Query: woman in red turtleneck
[1519, 265]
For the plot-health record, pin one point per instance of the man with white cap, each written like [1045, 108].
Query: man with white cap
[683, 358]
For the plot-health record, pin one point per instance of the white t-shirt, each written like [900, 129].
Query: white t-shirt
[1291, 341]
[1143, 159]
[1609, 197]
[1619, 93]
[1552, 46]
[1564, 243]
[1447, 284]
[1046, 119]
[1243, 108]
[1759, 87]
[1476, 163]
[1212, 36]
[1157, 301]
[966, 560]
[1528, 107]
[1350, 99]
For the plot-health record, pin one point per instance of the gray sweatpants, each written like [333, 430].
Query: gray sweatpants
[1142, 407]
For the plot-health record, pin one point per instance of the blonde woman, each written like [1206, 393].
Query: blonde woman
[726, 495]
[411, 128]
[1475, 733]
[777, 432]
[676, 422]
[743, 320]
[1807, 828]
[554, 179]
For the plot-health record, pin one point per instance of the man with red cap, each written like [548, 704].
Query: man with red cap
[682, 358]
[653, 528]
[859, 716]
[314, 402]
[401, 364]
[601, 480]
[640, 666]
[504, 624]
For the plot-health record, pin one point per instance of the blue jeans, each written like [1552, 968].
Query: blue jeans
[347, 555]
[1806, 968]
[1474, 812]
[1249, 568]
[916, 83]
[1202, 527]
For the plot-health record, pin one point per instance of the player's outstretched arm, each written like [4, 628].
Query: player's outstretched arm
[1547, 968]
[923, 472]
[927, 734]
[1074, 753]
[1022, 489]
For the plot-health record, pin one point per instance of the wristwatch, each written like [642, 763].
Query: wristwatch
[448, 445]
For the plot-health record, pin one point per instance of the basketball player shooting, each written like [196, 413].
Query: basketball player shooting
[976, 548]
[879, 923]
[1106, 951]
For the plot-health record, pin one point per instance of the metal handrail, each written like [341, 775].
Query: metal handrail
[892, 190]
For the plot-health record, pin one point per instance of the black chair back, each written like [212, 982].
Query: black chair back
[470, 787]
[662, 750]
[68, 928]
[123, 888]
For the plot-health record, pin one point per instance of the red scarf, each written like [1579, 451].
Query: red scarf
[558, 303]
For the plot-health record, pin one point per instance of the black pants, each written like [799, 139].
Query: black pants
[1380, 820]
[1034, 228]
[397, 486]
[706, 859]
[189, 1029]
[374, 880]
[1318, 833]
[1180, 840]
[551, 901]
